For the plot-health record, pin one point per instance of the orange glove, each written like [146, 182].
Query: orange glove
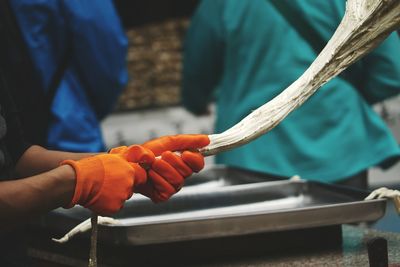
[104, 182]
[166, 174]
[136, 154]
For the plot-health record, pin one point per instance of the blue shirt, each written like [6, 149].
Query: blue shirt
[90, 31]
[244, 53]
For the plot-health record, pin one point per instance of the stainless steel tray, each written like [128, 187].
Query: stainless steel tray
[221, 202]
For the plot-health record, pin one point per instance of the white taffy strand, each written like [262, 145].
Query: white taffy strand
[86, 226]
[384, 192]
[295, 178]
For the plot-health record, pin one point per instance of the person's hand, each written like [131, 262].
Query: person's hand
[104, 182]
[166, 175]
[167, 172]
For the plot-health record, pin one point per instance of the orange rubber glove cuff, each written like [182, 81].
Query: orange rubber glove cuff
[92, 167]
[103, 183]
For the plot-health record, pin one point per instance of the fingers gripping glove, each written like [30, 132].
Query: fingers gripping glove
[104, 182]
[167, 173]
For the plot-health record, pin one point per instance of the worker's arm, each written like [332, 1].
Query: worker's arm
[21, 199]
[203, 57]
[101, 182]
[37, 159]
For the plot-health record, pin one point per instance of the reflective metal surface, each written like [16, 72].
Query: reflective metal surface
[228, 202]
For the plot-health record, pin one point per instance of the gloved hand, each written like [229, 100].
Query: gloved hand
[166, 174]
[104, 182]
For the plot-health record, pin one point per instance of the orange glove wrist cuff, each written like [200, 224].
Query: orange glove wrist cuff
[103, 182]
[87, 167]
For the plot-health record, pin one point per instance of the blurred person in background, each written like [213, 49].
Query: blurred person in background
[244, 53]
[78, 49]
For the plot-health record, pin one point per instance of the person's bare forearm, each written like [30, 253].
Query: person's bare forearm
[24, 198]
[38, 160]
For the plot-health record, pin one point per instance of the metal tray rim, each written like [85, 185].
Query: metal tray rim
[247, 214]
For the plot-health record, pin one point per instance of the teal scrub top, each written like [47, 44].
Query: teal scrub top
[243, 53]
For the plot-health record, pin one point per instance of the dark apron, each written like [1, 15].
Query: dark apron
[13, 245]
